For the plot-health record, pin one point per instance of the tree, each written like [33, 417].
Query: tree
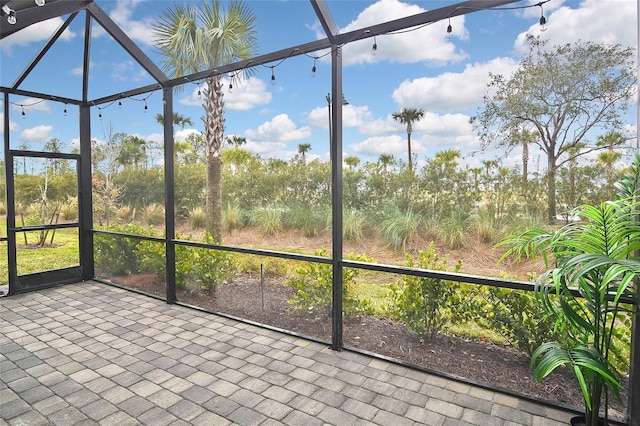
[564, 94]
[197, 39]
[303, 148]
[178, 120]
[235, 140]
[407, 117]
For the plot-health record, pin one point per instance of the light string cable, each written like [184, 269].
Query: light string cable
[23, 105]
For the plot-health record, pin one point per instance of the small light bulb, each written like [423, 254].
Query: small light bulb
[23, 113]
[40, 2]
[199, 93]
[273, 78]
[374, 48]
[543, 23]
[230, 87]
[11, 18]
[100, 114]
[145, 106]
[65, 110]
[119, 104]
[449, 32]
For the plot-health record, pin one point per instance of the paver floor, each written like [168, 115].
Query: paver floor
[89, 353]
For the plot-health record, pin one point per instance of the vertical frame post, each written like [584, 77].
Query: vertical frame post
[85, 202]
[336, 196]
[169, 195]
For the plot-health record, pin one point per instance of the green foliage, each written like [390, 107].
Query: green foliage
[452, 231]
[202, 268]
[427, 305]
[589, 285]
[519, 317]
[118, 255]
[314, 289]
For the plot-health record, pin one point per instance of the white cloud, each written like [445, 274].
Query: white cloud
[424, 44]
[39, 32]
[41, 133]
[246, 95]
[452, 91]
[375, 146]
[138, 30]
[595, 20]
[280, 129]
[13, 126]
[352, 116]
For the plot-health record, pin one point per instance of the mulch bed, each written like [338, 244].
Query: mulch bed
[482, 362]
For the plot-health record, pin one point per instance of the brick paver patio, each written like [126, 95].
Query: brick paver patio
[89, 353]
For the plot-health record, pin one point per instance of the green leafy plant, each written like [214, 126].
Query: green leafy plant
[591, 287]
[427, 305]
[313, 285]
[202, 267]
[519, 317]
[116, 254]
[197, 218]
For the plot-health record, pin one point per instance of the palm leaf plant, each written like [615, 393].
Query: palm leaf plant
[590, 286]
[195, 39]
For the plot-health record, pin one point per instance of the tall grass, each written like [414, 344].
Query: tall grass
[309, 220]
[233, 217]
[396, 227]
[485, 227]
[269, 219]
[453, 231]
[353, 225]
[197, 218]
[153, 214]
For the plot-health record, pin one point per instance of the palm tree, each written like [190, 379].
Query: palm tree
[303, 148]
[197, 39]
[407, 117]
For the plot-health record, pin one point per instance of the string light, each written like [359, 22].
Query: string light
[10, 13]
[449, 30]
[23, 113]
[313, 70]
[65, 110]
[40, 2]
[374, 48]
[119, 103]
[273, 76]
[145, 106]
[543, 20]
[199, 92]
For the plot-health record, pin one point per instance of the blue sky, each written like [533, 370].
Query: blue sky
[418, 69]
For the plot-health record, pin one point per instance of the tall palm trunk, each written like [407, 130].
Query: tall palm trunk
[214, 134]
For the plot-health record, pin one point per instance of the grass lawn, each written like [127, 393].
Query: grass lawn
[62, 253]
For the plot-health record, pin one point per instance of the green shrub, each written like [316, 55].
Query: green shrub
[204, 267]
[197, 218]
[428, 305]
[115, 254]
[519, 317]
[313, 283]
